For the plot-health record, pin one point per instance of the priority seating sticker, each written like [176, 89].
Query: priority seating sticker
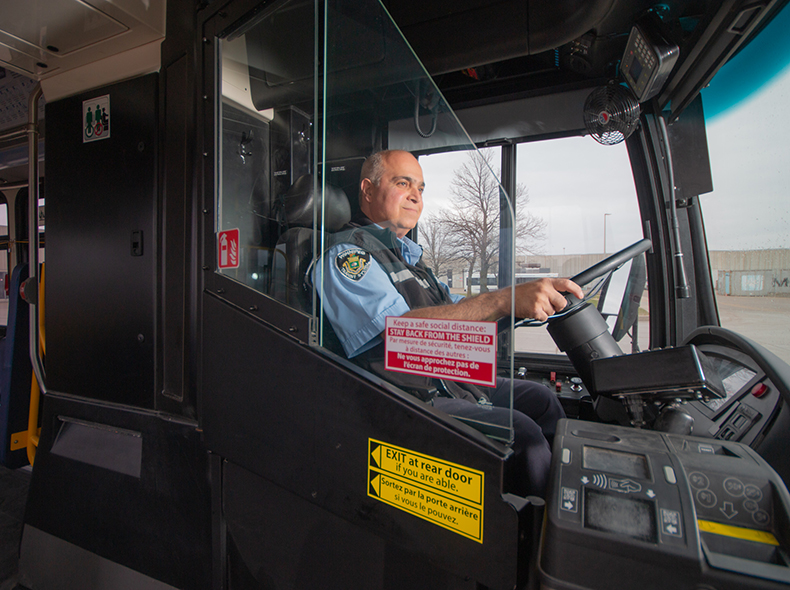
[443, 493]
[96, 118]
[448, 349]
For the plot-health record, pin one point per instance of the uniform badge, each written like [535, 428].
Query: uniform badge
[353, 263]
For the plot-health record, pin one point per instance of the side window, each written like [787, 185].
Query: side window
[460, 226]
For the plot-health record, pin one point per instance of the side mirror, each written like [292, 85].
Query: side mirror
[632, 297]
[621, 296]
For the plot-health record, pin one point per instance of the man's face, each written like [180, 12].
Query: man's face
[396, 203]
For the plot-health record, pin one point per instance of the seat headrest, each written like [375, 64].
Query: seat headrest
[299, 199]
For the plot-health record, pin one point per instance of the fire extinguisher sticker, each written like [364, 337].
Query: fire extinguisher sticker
[228, 249]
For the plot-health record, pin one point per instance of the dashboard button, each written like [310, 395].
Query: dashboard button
[707, 498]
[759, 390]
[699, 480]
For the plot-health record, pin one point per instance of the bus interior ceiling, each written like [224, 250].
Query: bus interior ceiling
[533, 48]
[191, 433]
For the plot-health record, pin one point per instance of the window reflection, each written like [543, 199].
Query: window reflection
[266, 117]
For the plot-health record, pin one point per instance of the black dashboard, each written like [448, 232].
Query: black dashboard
[661, 511]
[750, 402]
[752, 411]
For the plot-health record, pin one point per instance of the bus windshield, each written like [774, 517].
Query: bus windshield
[567, 222]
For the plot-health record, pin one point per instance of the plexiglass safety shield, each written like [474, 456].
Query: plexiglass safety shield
[310, 91]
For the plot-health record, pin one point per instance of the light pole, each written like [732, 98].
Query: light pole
[605, 215]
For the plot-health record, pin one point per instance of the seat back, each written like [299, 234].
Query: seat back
[294, 251]
[15, 376]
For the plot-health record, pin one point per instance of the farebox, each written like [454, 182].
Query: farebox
[630, 508]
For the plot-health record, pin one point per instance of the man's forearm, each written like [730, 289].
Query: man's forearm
[536, 299]
[484, 307]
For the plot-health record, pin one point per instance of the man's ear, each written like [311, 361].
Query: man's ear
[366, 189]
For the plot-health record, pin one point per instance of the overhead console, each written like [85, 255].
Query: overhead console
[661, 510]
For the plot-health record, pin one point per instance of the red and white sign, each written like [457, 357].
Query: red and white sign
[228, 249]
[447, 349]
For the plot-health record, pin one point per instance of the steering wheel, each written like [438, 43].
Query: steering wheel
[598, 269]
[611, 263]
[580, 331]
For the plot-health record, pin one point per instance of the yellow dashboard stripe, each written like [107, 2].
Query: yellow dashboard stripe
[737, 532]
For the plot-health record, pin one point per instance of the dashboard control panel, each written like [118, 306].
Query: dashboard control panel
[659, 509]
[749, 403]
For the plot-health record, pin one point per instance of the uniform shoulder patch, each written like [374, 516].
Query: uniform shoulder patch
[353, 263]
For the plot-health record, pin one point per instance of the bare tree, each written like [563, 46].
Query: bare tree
[473, 220]
[438, 250]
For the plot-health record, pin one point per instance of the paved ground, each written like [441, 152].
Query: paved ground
[765, 320]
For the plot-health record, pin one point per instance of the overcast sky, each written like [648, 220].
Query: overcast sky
[749, 207]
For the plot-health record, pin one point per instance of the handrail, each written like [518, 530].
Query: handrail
[33, 429]
[13, 185]
[33, 195]
[14, 133]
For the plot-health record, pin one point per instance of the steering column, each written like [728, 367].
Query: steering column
[581, 332]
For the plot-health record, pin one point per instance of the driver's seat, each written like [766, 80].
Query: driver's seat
[294, 250]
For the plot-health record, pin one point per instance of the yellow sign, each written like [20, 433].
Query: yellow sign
[440, 492]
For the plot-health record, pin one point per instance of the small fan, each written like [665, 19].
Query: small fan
[611, 113]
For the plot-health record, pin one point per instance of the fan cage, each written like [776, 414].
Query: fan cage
[611, 114]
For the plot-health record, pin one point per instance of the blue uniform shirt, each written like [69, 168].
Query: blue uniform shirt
[358, 302]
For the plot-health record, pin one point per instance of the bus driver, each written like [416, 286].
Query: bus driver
[372, 270]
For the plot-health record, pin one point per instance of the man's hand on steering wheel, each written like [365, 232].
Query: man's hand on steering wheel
[543, 298]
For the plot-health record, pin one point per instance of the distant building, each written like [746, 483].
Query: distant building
[734, 272]
[751, 273]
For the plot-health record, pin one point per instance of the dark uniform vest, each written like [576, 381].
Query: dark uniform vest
[419, 287]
